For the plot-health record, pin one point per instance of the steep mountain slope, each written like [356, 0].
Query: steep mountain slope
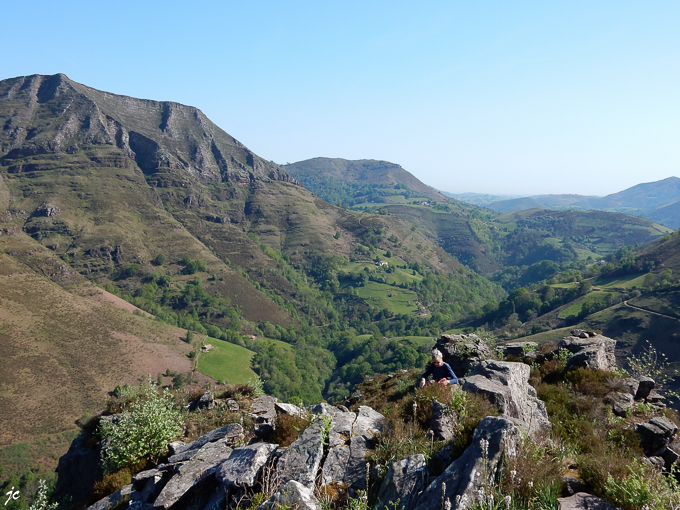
[648, 195]
[108, 180]
[63, 348]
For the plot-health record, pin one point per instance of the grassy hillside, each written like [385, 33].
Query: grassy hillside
[226, 362]
[363, 181]
[52, 338]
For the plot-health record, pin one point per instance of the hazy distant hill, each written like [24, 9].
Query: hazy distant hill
[481, 199]
[659, 201]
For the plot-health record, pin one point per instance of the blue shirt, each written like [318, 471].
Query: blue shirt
[442, 372]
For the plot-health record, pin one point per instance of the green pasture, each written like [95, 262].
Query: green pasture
[416, 341]
[620, 282]
[575, 307]
[545, 337]
[226, 361]
[381, 295]
[569, 285]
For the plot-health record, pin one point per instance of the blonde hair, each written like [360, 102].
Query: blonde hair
[436, 354]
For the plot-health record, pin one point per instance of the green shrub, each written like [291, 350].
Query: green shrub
[144, 431]
[643, 487]
[288, 428]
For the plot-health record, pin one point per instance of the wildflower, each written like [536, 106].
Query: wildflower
[508, 500]
[447, 504]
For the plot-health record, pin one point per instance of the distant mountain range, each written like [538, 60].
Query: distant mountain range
[658, 201]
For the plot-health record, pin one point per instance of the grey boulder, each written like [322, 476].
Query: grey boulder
[495, 439]
[404, 480]
[292, 495]
[506, 385]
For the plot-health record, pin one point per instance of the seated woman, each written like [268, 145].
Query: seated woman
[441, 372]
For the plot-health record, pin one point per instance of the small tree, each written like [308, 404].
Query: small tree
[145, 430]
[650, 363]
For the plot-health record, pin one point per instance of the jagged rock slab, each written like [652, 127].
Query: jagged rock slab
[630, 385]
[78, 469]
[335, 465]
[301, 461]
[656, 434]
[462, 352]
[342, 422]
[368, 423]
[205, 401]
[191, 473]
[357, 465]
[263, 411]
[621, 402]
[292, 495]
[229, 435]
[595, 352]
[244, 464]
[404, 480]
[645, 386]
[113, 500]
[583, 501]
[291, 409]
[442, 422]
[518, 349]
[477, 468]
[506, 385]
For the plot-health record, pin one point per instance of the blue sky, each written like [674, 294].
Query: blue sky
[494, 97]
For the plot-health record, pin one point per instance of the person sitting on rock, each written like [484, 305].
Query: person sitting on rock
[441, 372]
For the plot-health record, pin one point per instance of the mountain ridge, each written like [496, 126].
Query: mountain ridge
[655, 200]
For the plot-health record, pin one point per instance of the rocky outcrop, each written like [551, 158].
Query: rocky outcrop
[188, 474]
[583, 501]
[442, 422]
[292, 495]
[78, 470]
[506, 384]
[242, 468]
[645, 387]
[405, 479]
[595, 352]
[463, 352]
[656, 438]
[465, 480]
[205, 401]
[228, 435]
[263, 411]
[622, 403]
[518, 349]
[301, 461]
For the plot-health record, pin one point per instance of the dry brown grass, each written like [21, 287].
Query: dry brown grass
[62, 352]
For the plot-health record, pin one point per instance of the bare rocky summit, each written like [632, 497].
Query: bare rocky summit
[156, 134]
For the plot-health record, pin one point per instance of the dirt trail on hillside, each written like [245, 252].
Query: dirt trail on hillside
[650, 311]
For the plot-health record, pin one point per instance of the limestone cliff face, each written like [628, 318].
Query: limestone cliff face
[53, 114]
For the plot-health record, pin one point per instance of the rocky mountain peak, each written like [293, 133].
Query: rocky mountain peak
[53, 114]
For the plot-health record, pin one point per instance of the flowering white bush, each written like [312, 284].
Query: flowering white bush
[145, 430]
[42, 498]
